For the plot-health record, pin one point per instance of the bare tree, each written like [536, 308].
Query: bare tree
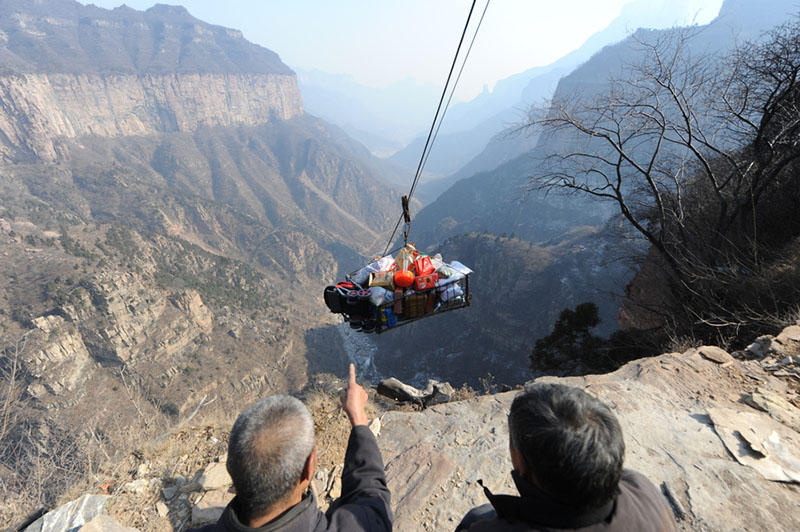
[693, 149]
[11, 386]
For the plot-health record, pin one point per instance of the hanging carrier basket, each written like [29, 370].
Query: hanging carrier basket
[393, 291]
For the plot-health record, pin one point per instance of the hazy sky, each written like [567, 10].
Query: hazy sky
[383, 41]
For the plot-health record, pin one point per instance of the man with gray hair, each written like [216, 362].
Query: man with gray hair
[272, 457]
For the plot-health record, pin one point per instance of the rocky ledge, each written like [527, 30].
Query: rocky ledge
[717, 433]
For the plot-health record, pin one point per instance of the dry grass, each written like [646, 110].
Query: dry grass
[157, 458]
[331, 426]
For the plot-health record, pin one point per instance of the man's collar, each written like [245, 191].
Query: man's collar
[535, 507]
[292, 513]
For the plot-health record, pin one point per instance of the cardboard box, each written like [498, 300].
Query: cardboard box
[426, 282]
[415, 305]
[398, 302]
[382, 279]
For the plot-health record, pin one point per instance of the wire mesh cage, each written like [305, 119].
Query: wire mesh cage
[370, 299]
[415, 305]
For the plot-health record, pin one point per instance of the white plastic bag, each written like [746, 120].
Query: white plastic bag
[378, 295]
[457, 266]
[436, 261]
[450, 291]
[382, 264]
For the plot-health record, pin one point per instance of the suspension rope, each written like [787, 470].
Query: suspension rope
[434, 130]
[452, 91]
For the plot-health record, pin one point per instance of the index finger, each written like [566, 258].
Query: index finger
[352, 376]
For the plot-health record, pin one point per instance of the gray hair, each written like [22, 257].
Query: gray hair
[268, 448]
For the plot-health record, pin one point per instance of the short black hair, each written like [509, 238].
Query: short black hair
[571, 442]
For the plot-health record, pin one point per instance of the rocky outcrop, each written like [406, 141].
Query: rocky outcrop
[61, 363]
[688, 426]
[132, 311]
[116, 319]
[39, 111]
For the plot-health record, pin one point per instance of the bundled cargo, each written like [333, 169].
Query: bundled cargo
[393, 291]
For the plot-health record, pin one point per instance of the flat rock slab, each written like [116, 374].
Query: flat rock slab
[756, 440]
[210, 507]
[72, 516]
[776, 406]
[416, 474]
[215, 477]
[663, 404]
[105, 523]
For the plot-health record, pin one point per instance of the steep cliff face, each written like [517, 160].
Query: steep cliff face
[69, 71]
[168, 217]
[39, 111]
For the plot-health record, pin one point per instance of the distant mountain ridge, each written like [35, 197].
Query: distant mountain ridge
[384, 119]
[68, 71]
[64, 36]
[491, 199]
[470, 126]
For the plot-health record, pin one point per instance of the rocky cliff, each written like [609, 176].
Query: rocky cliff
[70, 71]
[39, 111]
[696, 423]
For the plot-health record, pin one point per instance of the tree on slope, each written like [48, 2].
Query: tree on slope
[699, 155]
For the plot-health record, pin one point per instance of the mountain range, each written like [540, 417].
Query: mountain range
[170, 213]
[168, 216]
[503, 201]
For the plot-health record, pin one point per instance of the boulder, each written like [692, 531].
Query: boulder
[715, 354]
[394, 389]
[435, 392]
[70, 516]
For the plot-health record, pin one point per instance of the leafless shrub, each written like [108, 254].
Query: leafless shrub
[699, 155]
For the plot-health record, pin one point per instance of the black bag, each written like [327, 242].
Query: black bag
[357, 304]
[361, 314]
[333, 299]
[336, 296]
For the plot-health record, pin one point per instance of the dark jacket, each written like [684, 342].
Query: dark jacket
[363, 506]
[638, 507]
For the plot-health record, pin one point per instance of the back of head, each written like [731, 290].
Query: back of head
[571, 443]
[268, 448]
